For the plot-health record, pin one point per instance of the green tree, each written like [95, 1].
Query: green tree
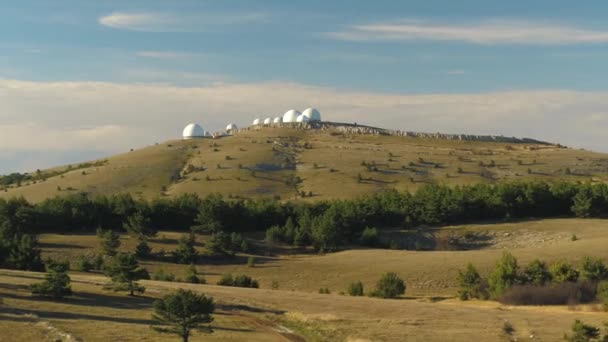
[389, 286]
[56, 282]
[143, 250]
[356, 289]
[593, 269]
[536, 273]
[504, 275]
[186, 252]
[183, 311]
[24, 253]
[471, 284]
[582, 332]
[109, 241]
[138, 225]
[369, 237]
[563, 271]
[220, 243]
[192, 276]
[125, 272]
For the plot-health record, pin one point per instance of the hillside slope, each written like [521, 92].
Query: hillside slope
[325, 164]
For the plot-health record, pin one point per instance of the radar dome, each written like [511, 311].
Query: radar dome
[256, 122]
[267, 121]
[193, 131]
[302, 118]
[312, 114]
[231, 127]
[278, 119]
[291, 115]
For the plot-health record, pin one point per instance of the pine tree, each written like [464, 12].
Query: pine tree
[56, 282]
[125, 271]
[183, 311]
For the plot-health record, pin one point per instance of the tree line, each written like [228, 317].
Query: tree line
[325, 225]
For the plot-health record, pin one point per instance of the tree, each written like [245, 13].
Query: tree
[220, 243]
[192, 276]
[593, 269]
[125, 271]
[184, 311]
[562, 271]
[389, 286]
[56, 282]
[24, 253]
[143, 250]
[139, 225]
[471, 284]
[536, 273]
[186, 252]
[109, 241]
[369, 237]
[356, 289]
[504, 276]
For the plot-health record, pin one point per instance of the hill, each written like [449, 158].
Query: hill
[319, 163]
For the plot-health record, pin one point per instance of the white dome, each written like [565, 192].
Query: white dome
[267, 121]
[278, 119]
[291, 115]
[312, 114]
[256, 122]
[193, 131]
[302, 118]
[231, 127]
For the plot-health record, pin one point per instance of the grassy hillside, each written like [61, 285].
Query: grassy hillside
[427, 313]
[329, 164]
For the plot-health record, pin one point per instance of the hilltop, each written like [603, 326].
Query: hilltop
[324, 163]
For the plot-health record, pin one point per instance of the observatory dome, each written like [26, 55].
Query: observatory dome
[278, 119]
[267, 121]
[231, 127]
[302, 118]
[291, 115]
[256, 122]
[312, 114]
[193, 131]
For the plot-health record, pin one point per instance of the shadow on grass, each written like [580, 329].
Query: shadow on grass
[247, 308]
[60, 245]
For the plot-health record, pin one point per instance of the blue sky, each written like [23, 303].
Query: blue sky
[88, 74]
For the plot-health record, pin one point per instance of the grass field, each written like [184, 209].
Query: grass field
[296, 312]
[256, 164]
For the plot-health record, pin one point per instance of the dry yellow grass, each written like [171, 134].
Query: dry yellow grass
[148, 172]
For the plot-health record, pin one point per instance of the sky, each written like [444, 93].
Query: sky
[83, 79]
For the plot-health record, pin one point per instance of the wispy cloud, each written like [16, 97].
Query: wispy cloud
[168, 55]
[455, 72]
[484, 32]
[171, 22]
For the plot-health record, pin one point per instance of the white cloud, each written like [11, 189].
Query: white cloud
[484, 32]
[61, 116]
[455, 72]
[168, 55]
[165, 22]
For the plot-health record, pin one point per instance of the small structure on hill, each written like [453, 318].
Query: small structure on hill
[256, 121]
[312, 114]
[302, 118]
[291, 116]
[277, 120]
[193, 131]
[267, 121]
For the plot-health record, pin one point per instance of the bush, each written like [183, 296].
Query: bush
[251, 261]
[84, 263]
[583, 332]
[356, 289]
[324, 290]
[238, 281]
[389, 286]
[471, 284]
[602, 293]
[566, 293]
[163, 276]
[536, 273]
[504, 276]
[369, 237]
[186, 252]
[192, 276]
[143, 250]
[563, 271]
[593, 269]
[109, 241]
[56, 282]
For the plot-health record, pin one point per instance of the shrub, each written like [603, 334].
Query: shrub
[186, 253]
[504, 276]
[226, 280]
[56, 282]
[245, 281]
[566, 293]
[143, 250]
[389, 286]
[274, 285]
[356, 289]
[369, 237]
[163, 276]
[251, 261]
[593, 269]
[192, 276]
[536, 273]
[324, 290]
[582, 332]
[471, 284]
[563, 271]
[84, 263]
[109, 241]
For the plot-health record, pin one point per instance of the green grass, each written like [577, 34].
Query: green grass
[330, 169]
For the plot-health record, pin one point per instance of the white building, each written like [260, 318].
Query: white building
[312, 114]
[256, 121]
[302, 118]
[278, 119]
[267, 121]
[193, 131]
[291, 116]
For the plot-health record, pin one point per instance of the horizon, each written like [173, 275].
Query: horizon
[81, 81]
